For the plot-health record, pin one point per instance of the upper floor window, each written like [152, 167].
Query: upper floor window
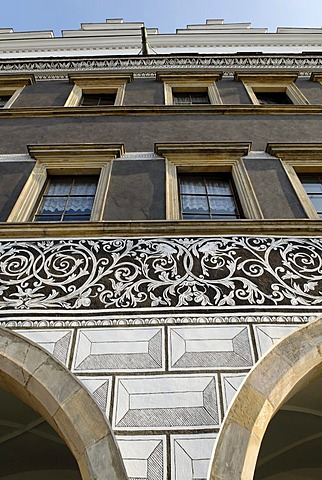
[53, 193]
[97, 89]
[312, 184]
[190, 88]
[67, 198]
[272, 89]
[208, 197]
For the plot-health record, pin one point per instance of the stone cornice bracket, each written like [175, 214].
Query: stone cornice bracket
[296, 152]
[192, 152]
[76, 151]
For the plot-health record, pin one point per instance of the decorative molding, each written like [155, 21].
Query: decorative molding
[87, 320]
[161, 273]
[303, 64]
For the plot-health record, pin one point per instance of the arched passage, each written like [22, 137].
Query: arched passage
[34, 376]
[294, 362]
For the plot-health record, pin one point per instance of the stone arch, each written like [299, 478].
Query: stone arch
[293, 363]
[34, 376]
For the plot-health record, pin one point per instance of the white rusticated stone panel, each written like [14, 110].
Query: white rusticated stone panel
[119, 349]
[100, 388]
[190, 456]
[144, 457]
[268, 335]
[230, 384]
[204, 347]
[56, 342]
[166, 402]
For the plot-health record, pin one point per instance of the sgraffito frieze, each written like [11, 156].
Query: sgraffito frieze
[161, 273]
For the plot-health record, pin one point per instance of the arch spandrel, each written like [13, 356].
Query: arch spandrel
[286, 368]
[48, 387]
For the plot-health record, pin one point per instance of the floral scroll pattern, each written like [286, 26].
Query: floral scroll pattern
[160, 272]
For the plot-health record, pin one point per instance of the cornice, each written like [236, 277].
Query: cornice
[59, 67]
[294, 227]
[153, 110]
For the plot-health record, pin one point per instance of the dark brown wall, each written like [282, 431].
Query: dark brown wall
[13, 177]
[139, 133]
[136, 190]
[311, 90]
[44, 94]
[144, 92]
[232, 92]
[273, 189]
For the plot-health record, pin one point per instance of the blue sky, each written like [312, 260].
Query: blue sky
[167, 15]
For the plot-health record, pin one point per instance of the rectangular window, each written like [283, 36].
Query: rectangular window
[97, 99]
[67, 198]
[208, 197]
[312, 184]
[190, 98]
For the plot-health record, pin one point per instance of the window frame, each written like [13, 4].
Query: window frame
[299, 158]
[52, 160]
[190, 82]
[97, 83]
[272, 82]
[208, 158]
[13, 85]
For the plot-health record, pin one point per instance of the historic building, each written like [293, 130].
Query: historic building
[160, 209]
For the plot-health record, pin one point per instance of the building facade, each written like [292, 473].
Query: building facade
[160, 209]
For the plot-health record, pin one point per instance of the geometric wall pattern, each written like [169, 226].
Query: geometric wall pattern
[190, 456]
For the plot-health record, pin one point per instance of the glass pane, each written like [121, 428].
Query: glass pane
[4, 99]
[199, 98]
[311, 183]
[79, 205]
[47, 218]
[273, 98]
[59, 185]
[192, 185]
[84, 186]
[179, 98]
[52, 205]
[191, 216]
[317, 202]
[76, 218]
[218, 186]
[107, 99]
[225, 205]
[192, 204]
[90, 100]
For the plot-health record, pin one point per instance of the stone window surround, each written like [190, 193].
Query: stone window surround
[64, 160]
[190, 82]
[97, 83]
[13, 85]
[299, 158]
[208, 157]
[272, 82]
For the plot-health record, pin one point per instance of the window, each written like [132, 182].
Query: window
[97, 90]
[53, 193]
[207, 197]
[11, 86]
[312, 184]
[303, 165]
[67, 198]
[206, 181]
[190, 89]
[272, 89]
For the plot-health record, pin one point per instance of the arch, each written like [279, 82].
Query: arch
[42, 382]
[290, 365]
